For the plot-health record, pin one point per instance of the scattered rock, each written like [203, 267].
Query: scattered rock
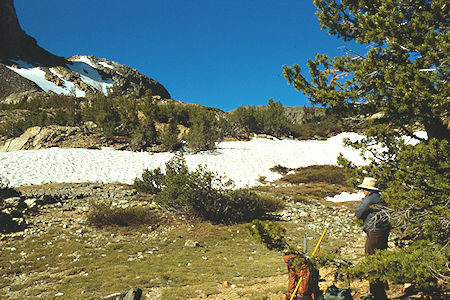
[226, 284]
[191, 244]
[133, 294]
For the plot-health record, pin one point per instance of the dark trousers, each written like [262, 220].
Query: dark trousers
[377, 240]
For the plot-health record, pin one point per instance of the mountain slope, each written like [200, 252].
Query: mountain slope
[44, 71]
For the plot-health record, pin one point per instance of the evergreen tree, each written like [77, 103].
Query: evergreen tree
[245, 117]
[169, 136]
[404, 77]
[148, 105]
[101, 110]
[127, 109]
[274, 119]
[204, 133]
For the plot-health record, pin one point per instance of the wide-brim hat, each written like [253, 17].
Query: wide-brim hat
[369, 183]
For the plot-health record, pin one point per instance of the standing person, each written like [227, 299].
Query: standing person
[376, 228]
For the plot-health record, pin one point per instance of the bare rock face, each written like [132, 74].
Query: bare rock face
[11, 82]
[54, 136]
[126, 79]
[21, 97]
[301, 114]
[16, 44]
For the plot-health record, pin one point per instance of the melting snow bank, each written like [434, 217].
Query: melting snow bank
[344, 197]
[244, 162]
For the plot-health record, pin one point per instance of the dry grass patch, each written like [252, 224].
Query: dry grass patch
[103, 214]
[318, 173]
[305, 192]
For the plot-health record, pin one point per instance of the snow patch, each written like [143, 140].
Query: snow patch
[38, 76]
[69, 87]
[345, 197]
[88, 74]
[84, 59]
[106, 65]
[91, 76]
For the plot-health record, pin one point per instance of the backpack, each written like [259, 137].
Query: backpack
[309, 286]
[335, 293]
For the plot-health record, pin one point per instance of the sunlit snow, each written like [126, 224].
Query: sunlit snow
[106, 65]
[244, 162]
[88, 74]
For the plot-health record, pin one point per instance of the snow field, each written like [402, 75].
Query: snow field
[244, 162]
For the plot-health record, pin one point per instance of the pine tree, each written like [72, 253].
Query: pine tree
[403, 77]
[169, 136]
[203, 133]
[274, 119]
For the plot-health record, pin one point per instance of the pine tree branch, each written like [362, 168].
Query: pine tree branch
[411, 134]
[357, 54]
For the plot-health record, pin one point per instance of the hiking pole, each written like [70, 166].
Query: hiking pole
[314, 252]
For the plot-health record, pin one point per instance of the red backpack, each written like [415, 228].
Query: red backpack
[309, 286]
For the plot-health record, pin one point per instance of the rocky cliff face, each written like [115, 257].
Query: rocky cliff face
[301, 114]
[16, 44]
[25, 67]
[126, 80]
[11, 82]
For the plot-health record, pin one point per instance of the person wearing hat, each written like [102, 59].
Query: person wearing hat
[376, 228]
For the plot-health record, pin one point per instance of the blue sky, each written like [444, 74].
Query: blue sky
[216, 53]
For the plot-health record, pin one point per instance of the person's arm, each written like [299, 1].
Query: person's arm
[363, 209]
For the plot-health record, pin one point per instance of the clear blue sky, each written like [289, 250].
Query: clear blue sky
[221, 53]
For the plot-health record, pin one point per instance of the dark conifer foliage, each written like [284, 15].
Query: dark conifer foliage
[403, 76]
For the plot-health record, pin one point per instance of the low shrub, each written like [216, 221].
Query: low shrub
[150, 183]
[104, 214]
[280, 169]
[245, 205]
[319, 173]
[6, 191]
[204, 195]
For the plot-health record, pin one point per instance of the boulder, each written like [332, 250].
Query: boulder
[14, 144]
[133, 294]
[191, 244]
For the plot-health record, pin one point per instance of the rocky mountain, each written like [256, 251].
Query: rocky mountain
[27, 69]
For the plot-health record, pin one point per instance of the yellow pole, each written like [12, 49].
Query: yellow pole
[314, 253]
[318, 243]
